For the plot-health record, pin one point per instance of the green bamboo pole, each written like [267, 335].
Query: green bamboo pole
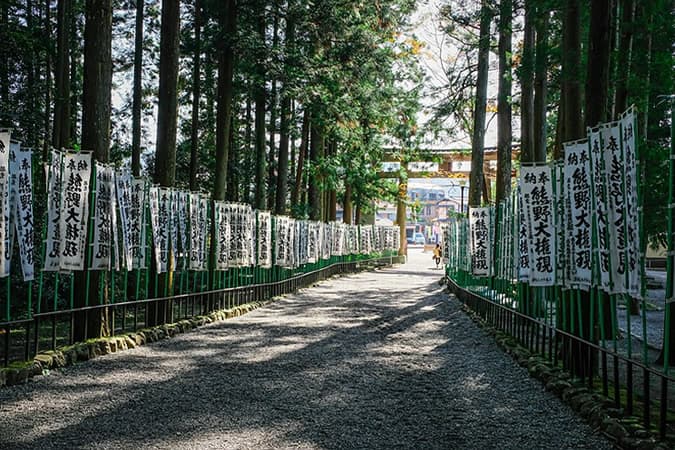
[92, 201]
[670, 261]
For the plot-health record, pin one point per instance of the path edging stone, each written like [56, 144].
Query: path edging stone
[43, 362]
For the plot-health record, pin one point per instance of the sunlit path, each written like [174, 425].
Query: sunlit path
[373, 360]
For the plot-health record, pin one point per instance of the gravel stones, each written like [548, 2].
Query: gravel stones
[372, 360]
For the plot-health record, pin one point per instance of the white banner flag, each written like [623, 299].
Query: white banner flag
[204, 230]
[22, 171]
[610, 135]
[578, 190]
[74, 210]
[5, 204]
[524, 239]
[600, 220]
[222, 216]
[631, 189]
[537, 190]
[481, 247]
[54, 188]
[103, 218]
[123, 190]
[159, 219]
[183, 227]
[138, 225]
[264, 239]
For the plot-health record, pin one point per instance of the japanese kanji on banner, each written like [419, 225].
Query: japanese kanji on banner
[524, 238]
[314, 242]
[600, 218]
[183, 211]
[577, 176]
[5, 205]
[123, 190]
[537, 193]
[264, 239]
[222, 216]
[481, 247]
[283, 242]
[160, 217]
[74, 210]
[21, 170]
[326, 238]
[53, 239]
[610, 137]
[104, 219]
[627, 123]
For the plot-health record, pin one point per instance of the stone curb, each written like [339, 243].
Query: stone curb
[43, 362]
[626, 432]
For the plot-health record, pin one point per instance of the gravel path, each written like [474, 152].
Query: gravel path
[373, 360]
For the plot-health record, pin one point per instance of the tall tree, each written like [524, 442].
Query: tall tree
[61, 129]
[316, 152]
[167, 128]
[571, 95]
[228, 22]
[540, 84]
[504, 102]
[137, 92]
[95, 133]
[625, 56]
[273, 107]
[286, 115]
[260, 110]
[167, 111]
[478, 135]
[196, 95]
[597, 79]
[527, 86]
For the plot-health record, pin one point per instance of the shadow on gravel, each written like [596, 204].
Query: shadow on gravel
[386, 372]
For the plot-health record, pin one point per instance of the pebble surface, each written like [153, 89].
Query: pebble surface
[378, 360]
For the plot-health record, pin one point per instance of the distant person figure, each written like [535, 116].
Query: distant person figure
[437, 254]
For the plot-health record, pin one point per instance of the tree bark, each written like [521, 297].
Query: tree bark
[573, 126]
[48, 84]
[196, 95]
[478, 137]
[286, 116]
[540, 85]
[302, 151]
[167, 117]
[167, 112]
[504, 103]
[316, 151]
[347, 203]
[96, 108]
[138, 92]
[625, 57]
[224, 114]
[597, 78]
[273, 163]
[260, 191]
[527, 83]
[61, 130]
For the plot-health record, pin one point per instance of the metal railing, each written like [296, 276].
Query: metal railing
[618, 375]
[23, 339]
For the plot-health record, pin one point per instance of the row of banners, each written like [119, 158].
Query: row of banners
[574, 224]
[181, 223]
